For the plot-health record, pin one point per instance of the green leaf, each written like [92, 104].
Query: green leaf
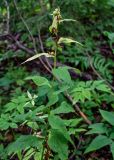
[13, 125]
[108, 116]
[112, 149]
[37, 156]
[63, 88]
[4, 125]
[33, 125]
[22, 143]
[57, 123]
[37, 56]
[58, 143]
[53, 98]
[3, 154]
[86, 93]
[99, 142]
[39, 81]
[101, 86]
[68, 41]
[80, 94]
[97, 128]
[63, 108]
[72, 122]
[63, 74]
[68, 20]
[29, 154]
[20, 108]
[112, 135]
[9, 106]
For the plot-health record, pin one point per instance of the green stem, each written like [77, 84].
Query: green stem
[43, 151]
[55, 59]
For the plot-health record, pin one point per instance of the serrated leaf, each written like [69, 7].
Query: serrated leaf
[101, 86]
[22, 143]
[99, 142]
[37, 56]
[63, 108]
[63, 74]
[33, 125]
[9, 106]
[112, 135]
[112, 149]
[53, 98]
[13, 125]
[4, 125]
[97, 128]
[108, 116]
[86, 93]
[57, 123]
[72, 122]
[58, 143]
[39, 81]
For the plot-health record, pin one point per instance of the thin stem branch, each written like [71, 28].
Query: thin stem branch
[8, 17]
[55, 59]
[42, 49]
[76, 107]
[25, 24]
[34, 43]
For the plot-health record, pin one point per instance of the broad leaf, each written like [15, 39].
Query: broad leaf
[103, 87]
[63, 108]
[112, 135]
[72, 122]
[63, 74]
[22, 143]
[58, 143]
[57, 123]
[97, 128]
[53, 98]
[112, 149]
[80, 94]
[99, 142]
[108, 116]
[39, 81]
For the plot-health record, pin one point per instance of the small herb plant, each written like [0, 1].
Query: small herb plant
[51, 117]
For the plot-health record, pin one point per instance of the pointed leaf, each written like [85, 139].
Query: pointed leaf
[37, 56]
[108, 116]
[63, 108]
[68, 20]
[57, 123]
[23, 142]
[63, 74]
[68, 41]
[99, 142]
[112, 149]
[97, 128]
[58, 143]
[38, 80]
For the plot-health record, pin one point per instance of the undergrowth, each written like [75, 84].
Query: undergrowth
[57, 101]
